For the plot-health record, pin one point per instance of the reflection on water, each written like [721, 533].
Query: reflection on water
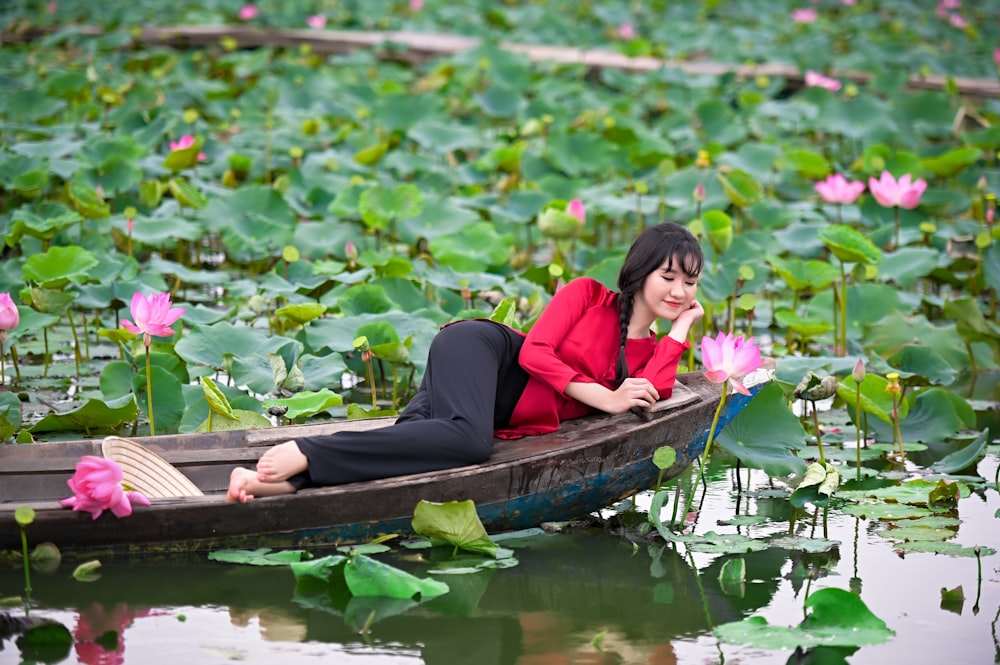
[576, 598]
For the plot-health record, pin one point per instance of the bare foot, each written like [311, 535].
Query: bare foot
[244, 485]
[281, 462]
[240, 481]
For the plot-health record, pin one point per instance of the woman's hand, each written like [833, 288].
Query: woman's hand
[632, 393]
[682, 325]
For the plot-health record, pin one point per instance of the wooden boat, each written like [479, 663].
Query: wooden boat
[588, 464]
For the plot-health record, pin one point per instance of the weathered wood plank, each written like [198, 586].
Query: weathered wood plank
[413, 47]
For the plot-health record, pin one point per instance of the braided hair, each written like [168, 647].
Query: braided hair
[668, 243]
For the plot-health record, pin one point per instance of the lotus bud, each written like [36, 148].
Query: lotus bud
[576, 209]
[699, 192]
[351, 252]
[859, 371]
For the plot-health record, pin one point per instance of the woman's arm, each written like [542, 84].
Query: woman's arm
[564, 312]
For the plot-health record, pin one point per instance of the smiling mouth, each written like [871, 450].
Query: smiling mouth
[671, 303]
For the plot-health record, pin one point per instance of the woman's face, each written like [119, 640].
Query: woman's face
[667, 291]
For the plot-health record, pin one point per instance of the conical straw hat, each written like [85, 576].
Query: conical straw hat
[146, 472]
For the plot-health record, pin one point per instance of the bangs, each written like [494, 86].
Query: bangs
[688, 260]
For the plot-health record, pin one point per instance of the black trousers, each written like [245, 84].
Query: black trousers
[470, 387]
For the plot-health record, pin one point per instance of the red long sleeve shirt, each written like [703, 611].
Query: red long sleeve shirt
[577, 339]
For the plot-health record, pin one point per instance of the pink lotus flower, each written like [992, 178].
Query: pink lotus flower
[996, 57]
[316, 21]
[575, 209]
[817, 80]
[728, 358]
[10, 316]
[838, 189]
[849, 3]
[153, 316]
[97, 486]
[626, 31]
[892, 193]
[958, 21]
[248, 13]
[185, 142]
[416, 5]
[804, 15]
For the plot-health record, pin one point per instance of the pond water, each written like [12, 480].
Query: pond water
[597, 595]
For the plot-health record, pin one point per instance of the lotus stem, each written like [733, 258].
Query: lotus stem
[819, 439]
[979, 577]
[708, 448]
[76, 343]
[843, 311]
[895, 244]
[13, 361]
[45, 358]
[27, 570]
[857, 424]
[149, 391]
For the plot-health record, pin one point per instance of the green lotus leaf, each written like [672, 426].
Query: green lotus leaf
[301, 313]
[838, 618]
[801, 274]
[306, 403]
[800, 325]
[186, 194]
[86, 201]
[808, 164]
[743, 189]
[371, 155]
[719, 230]
[93, 417]
[59, 266]
[454, 523]
[875, 399]
[168, 398]
[367, 577]
[764, 434]
[953, 162]
[381, 206]
[849, 245]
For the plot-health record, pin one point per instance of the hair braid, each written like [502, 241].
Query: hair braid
[624, 317]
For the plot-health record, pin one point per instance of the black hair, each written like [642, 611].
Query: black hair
[655, 246]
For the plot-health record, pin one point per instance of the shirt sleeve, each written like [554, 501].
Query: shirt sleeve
[661, 369]
[539, 355]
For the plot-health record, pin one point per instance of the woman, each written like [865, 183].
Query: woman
[591, 349]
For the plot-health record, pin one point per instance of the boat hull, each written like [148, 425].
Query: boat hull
[588, 464]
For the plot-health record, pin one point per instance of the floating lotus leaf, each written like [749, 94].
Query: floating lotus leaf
[838, 617]
[455, 523]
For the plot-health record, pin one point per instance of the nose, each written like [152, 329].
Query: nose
[677, 289]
